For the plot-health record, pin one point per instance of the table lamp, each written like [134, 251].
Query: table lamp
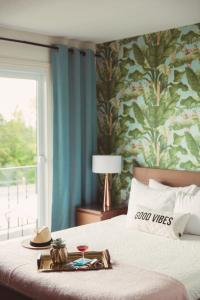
[106, 164]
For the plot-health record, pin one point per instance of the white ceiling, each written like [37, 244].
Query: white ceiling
[97, 20]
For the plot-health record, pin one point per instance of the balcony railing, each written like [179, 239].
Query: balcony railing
[18, 201]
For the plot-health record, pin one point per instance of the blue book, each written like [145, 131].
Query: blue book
[81, 262]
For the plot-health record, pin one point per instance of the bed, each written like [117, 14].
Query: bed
[141, 262]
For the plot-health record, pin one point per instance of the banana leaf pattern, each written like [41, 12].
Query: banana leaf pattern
[148, 102]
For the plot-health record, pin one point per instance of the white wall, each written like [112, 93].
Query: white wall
[29, 52]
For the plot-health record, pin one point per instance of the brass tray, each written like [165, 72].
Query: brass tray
[45, 264]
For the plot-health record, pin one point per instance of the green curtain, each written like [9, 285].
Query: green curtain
[74, 133]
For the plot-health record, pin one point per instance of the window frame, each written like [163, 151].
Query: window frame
[40, 73]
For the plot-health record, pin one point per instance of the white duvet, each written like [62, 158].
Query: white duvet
[179, 259]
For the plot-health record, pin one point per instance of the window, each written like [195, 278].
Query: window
[24, 164]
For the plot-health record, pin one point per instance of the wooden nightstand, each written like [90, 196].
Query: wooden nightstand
[92, 214]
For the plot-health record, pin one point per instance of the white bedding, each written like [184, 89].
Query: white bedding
[179, 259]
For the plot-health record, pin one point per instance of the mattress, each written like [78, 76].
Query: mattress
[178, 259]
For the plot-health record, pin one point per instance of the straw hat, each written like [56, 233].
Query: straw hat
[41, 239]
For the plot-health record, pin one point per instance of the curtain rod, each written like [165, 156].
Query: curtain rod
[40, 45]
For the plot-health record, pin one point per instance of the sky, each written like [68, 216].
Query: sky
[18, 94]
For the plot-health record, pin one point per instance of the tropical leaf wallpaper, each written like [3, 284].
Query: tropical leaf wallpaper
[148, 102]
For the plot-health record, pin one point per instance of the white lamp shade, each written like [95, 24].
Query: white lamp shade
[106, 164]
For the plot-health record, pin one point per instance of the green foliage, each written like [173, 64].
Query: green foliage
[151, 84]
[189, 37]
[178, 139]
[192, 145]
[193, 79]
[138, 113]
[190, 102]
[187, 165]
[17, 146]
[136, 76]
[138, 54]
[178, 75]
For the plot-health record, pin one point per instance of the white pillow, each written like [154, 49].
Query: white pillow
[192, 189]
[161, 223]
[141, 194]
[189, 203]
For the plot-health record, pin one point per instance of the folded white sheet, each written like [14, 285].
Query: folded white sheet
[179, 259]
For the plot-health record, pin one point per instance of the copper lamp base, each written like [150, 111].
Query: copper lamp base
[106, 197]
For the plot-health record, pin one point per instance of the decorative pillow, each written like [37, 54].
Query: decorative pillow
[192, 189]
[189, 203]
[156, 222]
[141, 194]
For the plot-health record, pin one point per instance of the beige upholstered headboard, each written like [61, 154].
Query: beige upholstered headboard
[169, 177]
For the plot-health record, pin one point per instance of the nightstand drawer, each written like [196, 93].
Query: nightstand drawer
[92, 214]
